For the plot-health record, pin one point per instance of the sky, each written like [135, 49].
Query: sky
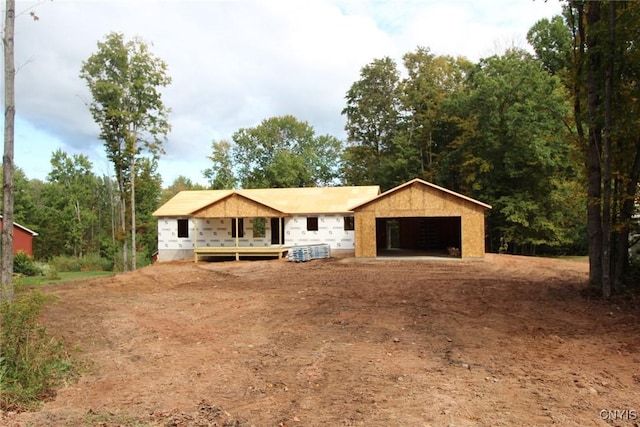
[234, 63]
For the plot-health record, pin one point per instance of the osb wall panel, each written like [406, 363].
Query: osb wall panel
[237, 206]
[365, 238]
[473, 235]
[420, 200]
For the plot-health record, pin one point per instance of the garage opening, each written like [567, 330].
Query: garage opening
[419, 236]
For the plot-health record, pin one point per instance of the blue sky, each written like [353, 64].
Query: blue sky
[234, 63]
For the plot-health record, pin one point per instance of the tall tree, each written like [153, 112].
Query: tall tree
[373, 113]
[397, 127]
[285, 152]
[75, 184]
[220, 174]
[551, 41]
[605, 71]
[6, 275]
[431, 80]
[124, 79]
[147, 200]
[514, 152]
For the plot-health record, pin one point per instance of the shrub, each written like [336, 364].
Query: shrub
[142, 259]
[90, 262]
[94, 262]
[32, 363]
[50, 272]
[24, 264]
[65, 263]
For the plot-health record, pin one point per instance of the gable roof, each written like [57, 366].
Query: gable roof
[317, 200]
[421, 182]
[15, 224]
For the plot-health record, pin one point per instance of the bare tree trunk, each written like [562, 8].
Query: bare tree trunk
[113, 219]
[78, 245]
[133, 210]
[123, 222]
[626, 214]
[6, 275]
[606, 160]
[594, 190]
[592, 156]
[123, 230]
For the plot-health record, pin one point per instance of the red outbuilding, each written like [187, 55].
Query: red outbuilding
[22, 238]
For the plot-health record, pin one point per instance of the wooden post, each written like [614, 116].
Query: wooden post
[280, 231]
[195, 239]
[237, 240]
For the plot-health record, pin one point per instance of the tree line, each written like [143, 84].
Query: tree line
[547, 138]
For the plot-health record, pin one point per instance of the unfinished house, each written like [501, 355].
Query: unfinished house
[420, 218]
[416, 218]
[257, 222]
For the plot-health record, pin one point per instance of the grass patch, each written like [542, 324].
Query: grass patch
[581, 258]
[61, 277]
[32, 363]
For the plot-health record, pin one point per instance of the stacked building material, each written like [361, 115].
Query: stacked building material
[307, 253]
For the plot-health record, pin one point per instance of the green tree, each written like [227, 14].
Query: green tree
[220, 174]
[181, 183]
[551, 41]
[373, 113]
[515, 152]
[397, 127]
[284, 152]
[148, 195]
[23, 198]
[431, 80]
[124, 78]
[75, 184]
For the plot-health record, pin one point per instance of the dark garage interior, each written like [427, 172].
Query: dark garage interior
[419, 236]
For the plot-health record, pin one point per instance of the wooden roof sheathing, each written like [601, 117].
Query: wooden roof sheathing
[185, 202]
[307, 200]
[417, 181]
[237, 206]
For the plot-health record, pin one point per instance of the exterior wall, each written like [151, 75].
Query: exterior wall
[418, 200]
[330, 231]
[473, 235]
[216, 232]
[22, 240]
[365, 245]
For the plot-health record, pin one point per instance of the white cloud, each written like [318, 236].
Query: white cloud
[235, 63]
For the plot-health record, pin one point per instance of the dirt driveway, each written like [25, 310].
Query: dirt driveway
[507, 341]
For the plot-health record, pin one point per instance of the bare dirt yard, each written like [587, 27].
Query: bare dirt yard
[508, 341]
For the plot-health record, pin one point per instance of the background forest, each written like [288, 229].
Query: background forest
[535, 135]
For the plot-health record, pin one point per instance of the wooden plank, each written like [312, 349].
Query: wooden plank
[238, 251]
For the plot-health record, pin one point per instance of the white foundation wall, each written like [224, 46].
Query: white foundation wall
[330, 231]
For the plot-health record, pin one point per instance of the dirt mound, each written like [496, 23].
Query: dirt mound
[501, 342]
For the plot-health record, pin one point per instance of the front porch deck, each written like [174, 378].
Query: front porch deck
[239, 251]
